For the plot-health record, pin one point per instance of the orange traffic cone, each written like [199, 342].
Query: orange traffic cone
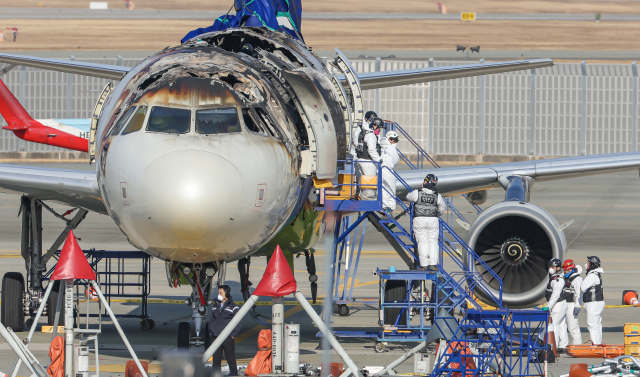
[631, 298]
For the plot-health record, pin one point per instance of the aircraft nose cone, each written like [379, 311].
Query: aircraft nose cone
[195, 195]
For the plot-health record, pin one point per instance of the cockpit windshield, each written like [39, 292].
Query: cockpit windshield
[218, 121]
[169, 120]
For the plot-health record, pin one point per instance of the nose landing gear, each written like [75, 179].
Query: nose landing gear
[200, 277]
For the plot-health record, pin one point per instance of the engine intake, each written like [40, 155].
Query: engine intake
[516, 240]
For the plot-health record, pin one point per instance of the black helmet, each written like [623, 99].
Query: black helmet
[247, 48]
[370, 114]
[555, 262]
[377, 123]
[430, 179]
[594, 262]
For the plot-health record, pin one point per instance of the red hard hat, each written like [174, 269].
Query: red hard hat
[568, 265]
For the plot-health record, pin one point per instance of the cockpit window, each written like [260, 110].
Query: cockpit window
[251, 124]
[122, 121]
[217, 121]
[137, 120]
[169, 120]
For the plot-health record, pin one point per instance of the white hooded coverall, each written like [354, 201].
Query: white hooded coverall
[572, 320]
[390, 159]
[426, 230]
[558, 311]
[594, 308]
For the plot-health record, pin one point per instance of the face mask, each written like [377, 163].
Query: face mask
[220, 298]
[552, 270]
[377, 132]
[586, 266]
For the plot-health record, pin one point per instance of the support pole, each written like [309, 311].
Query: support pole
[402, 359]
[583, 110]
[16, 365]
[117, 325]
[431, 111]
[229, 328]
[634, 108]
[377, 104]
[68, 328]
[482, 112]
[327, 334]
[16, 348]
[532, 110]
[277, 327]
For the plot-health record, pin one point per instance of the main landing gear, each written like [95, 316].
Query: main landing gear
[21, 298]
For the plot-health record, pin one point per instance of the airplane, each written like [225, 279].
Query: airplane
[207, 152]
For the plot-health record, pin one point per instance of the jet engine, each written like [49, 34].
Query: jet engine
[516, 240]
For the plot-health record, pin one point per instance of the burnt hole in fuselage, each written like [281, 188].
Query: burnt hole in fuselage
[229, 79]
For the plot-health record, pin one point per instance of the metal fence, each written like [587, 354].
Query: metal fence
[566, 110]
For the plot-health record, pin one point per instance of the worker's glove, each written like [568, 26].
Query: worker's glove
[576, 310]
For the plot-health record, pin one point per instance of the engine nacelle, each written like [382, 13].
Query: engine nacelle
[516, 240]
[478, 197]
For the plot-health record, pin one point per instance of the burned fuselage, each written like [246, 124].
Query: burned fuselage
[200, 147]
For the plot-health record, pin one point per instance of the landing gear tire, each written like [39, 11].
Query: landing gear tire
[53, 302]
[147, 324]
[11, 310]
[395, 291]
[184, 335]
[379, 347]
[343, 310]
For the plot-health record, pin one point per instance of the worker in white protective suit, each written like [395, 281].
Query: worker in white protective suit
[593, 298]
[390, 159]
[355, 133]
[428, 206]
[368, 151]
[573, 296]
[557, 303]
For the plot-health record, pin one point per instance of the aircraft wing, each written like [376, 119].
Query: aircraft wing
[457, 180]
[104, 71]
[72, 187]
[385, 79]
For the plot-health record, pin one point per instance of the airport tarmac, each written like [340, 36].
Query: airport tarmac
[605, 210]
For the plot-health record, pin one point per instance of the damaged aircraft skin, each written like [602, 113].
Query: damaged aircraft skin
[189, 196]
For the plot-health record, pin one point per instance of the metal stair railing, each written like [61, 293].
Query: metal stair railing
[469, 275]
[474, 278]
[421, 156]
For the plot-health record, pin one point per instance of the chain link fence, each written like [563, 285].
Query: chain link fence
[565, 110]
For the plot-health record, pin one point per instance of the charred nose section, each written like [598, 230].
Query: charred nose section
[195, 195]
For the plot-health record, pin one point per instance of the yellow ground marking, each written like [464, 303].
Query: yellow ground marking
[49, 329]
[119, 368]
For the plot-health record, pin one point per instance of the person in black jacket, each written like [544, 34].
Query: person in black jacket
[222, 311]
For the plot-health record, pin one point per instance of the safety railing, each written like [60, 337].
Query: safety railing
[475, 279]
[421, 157]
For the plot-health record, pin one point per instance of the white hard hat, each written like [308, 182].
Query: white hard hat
[391, 135]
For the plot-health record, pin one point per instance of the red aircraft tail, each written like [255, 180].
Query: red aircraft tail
[29, 129]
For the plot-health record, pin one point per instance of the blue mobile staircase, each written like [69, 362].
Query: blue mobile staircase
[412, 302]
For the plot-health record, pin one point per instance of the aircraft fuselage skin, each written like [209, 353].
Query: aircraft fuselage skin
[212, 172]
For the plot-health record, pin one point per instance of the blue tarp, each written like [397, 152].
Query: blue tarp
[258, 13]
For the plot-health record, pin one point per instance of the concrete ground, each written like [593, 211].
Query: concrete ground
[606, 210]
